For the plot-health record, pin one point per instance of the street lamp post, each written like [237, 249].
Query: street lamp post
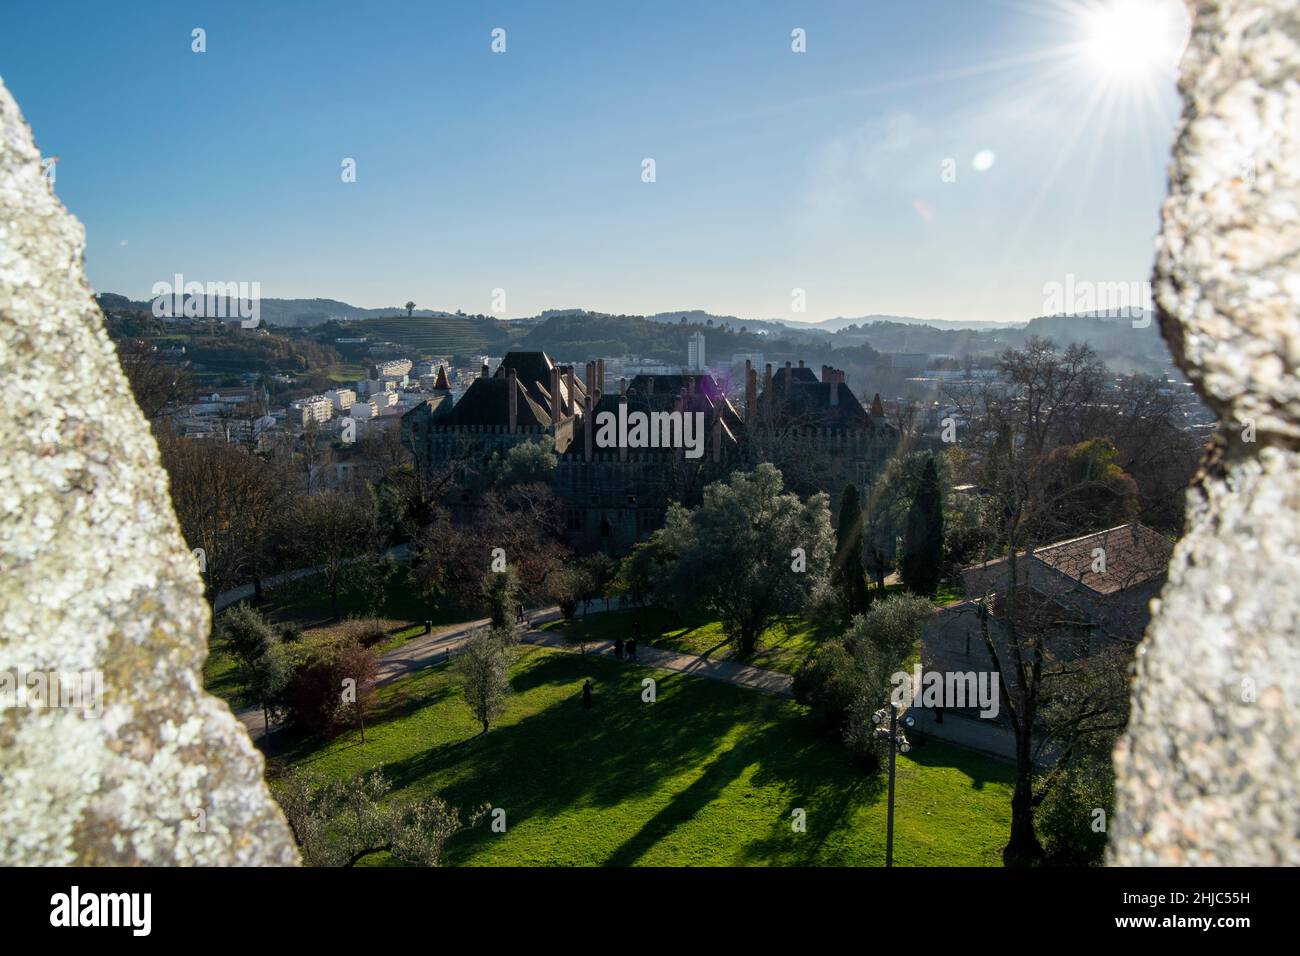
[898, 743]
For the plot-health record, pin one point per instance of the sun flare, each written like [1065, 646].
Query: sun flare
[1133, 40]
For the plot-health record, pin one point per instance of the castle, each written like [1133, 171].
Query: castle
[813, 427]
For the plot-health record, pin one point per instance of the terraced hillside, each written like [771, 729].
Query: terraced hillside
[433, 335]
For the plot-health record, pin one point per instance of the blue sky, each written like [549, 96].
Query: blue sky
[775, 170]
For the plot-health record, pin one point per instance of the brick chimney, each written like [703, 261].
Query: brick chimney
[835, 387]
[512, 386]
[557, 406]
[622, 448]
[568, 384]
[600, 376]
[751, 391]
[484, 373]
[587, 427]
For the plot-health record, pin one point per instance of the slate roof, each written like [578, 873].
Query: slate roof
[809, 402]
[1134, 554]
[487, 403]
[659, 393]
[533, 370]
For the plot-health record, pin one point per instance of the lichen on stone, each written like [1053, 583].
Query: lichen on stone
[94, 575]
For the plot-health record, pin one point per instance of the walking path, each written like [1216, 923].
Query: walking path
[429, 649]
[399, 552]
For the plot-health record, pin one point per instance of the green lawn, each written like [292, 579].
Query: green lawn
[304, 603]
[782, 647]
[707, 775]
[220, 677]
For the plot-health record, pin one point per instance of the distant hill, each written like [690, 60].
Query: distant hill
[577, 332]
[294, 313]
[839, 324]
[424, 336]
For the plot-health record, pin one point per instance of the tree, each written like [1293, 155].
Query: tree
[501, 596]
[1010, 434]
[154, 383]
[922, 562]
[331, 529]
[848, 572]
[340, 822]
[640, 573]
[333, 687]
[261, 660]
[748, 553]
[484, 667]
[355, 669]
[598, 575]
[230, 503]
[1089, 491]
[410, 307]
[846, 680]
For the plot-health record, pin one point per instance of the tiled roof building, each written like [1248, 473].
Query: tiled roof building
[617, 495]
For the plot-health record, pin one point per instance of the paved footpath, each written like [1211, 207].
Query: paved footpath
[429, 649]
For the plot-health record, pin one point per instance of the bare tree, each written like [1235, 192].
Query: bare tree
[1011, 429]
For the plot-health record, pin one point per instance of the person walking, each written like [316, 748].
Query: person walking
[631, 648]
[586, 694]
[618, 648]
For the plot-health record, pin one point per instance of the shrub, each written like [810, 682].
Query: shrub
[365, 631]
[1068, 820]
[828, 682]
[317, 688]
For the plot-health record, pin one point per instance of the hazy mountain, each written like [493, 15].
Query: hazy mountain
[837, 324]
[283, 312]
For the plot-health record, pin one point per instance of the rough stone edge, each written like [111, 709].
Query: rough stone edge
[1209, 769]
[94, 575]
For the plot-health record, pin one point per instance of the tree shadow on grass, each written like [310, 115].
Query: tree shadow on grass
[979, 768]
[563, 758]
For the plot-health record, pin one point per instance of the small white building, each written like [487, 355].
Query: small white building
[318, 408]
[342, 398]
[363, 410]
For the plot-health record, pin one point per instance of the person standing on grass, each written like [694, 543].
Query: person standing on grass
[586, 694]
[631, 648]
[618, 648]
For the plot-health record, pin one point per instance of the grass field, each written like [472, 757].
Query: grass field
[304, 604]
[708, 774]
[782, 647]
[424, 335]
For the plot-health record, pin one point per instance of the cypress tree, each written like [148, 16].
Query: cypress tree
[849, 574]
[922, 561]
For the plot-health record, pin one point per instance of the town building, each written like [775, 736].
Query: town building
[617, 495]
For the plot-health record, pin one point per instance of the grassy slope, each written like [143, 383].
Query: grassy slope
[305, 604]
[708, 774]
[782, 647]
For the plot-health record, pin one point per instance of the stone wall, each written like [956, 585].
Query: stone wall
[1209, 770]
[95, 577]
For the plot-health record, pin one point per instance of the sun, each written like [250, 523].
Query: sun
[1133, 40]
